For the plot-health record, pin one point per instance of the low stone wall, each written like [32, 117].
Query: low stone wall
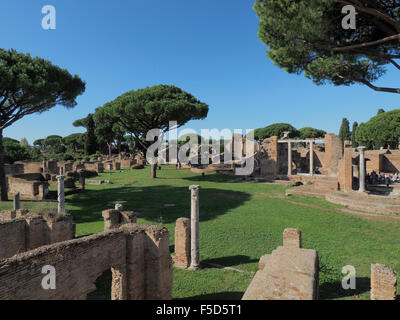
[28, 189]
[326, 184]
[288, 273]
[137, 255]
[127, 163]
[21, 231]
[94, 166]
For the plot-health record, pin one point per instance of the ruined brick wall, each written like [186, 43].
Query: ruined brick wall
[113, 219]
[12, 237]
[334, 152]
[374, 162]
[320, 160]
[270, 157]
[288, 273]
[345, 174]
[30, 166]
[127, 163]
[138, 257]
[391, 162]
[27, 231]
[94, 166]
[35, 190]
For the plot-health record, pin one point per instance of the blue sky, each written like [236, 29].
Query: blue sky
[208, 48]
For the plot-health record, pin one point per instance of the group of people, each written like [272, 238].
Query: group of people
[382, 178]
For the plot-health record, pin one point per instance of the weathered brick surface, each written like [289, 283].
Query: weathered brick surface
[182, 243]
[292, 238]
[12, 237]
[269, 160]
[287, 274]
[383, 282]
[113, 219]
[27, 188]
[27, 231]
[334, 152]
[137, 255]
[326, 183]
[345, 175]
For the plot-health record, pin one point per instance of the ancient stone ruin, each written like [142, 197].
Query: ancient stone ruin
[288, 273]
[383, 282]
[187, 251]
[137, 255]
[22, 231]
[291, 272]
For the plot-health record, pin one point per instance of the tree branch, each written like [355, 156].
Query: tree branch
[381, 89]
[367, 44]
[374, 12]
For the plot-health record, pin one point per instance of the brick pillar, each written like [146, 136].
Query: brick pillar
[111, 218]
[182, 243]
[348, 169]
[383, 282]
[292, 238]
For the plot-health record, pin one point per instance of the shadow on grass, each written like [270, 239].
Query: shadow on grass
[217, 296]
[334, 290]
[154, 202]
[211, 177]
[228, 261]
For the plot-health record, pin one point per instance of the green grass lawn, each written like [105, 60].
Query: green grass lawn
[239, 222]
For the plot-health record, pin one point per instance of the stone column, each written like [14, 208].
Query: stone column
[44, 166]
[82, 181]
[362, 170]
[61, 195]
[17, 204]
[195, 261]
[311, 157]
[289, 158]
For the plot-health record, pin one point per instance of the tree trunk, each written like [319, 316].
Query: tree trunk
[3, 183]
[154, 171]
[109, 150]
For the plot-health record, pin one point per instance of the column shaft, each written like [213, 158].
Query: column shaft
[289, 158]
[311, 157]
[362, 170]
[194, 223]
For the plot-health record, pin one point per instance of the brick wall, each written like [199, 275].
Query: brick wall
[29, 231]
[137, 255]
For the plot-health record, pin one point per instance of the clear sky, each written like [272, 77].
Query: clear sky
[209, 48]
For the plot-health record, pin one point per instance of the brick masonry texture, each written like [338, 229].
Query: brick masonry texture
[137, 255]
